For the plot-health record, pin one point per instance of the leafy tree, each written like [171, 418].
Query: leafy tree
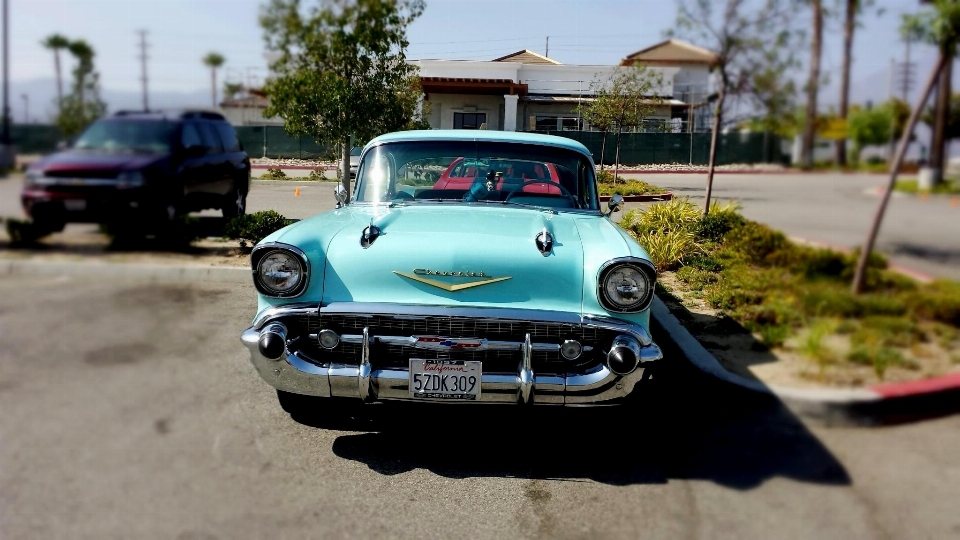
[598, 115]
[941, 23]
[742, 34]
[867, 127]
[341, 69]
[937, 26]
[57, 43]
[213, 61]
[623, 101]
[83, 105]
[230, 90]
[952, 124]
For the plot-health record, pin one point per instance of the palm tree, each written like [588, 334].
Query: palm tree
[810, 127]
[213, 61]
[849, 24]
[55, 43]
[83, 52]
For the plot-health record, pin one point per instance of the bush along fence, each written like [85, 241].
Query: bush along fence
[635, 148]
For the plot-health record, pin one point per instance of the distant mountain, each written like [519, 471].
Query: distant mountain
[42, 94]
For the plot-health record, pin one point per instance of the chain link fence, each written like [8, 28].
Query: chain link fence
[635, 148]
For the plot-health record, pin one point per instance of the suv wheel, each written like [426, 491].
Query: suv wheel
[235, 203]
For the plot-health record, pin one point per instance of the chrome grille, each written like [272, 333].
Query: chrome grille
[397, 356]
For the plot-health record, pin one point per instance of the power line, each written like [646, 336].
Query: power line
[143, 66]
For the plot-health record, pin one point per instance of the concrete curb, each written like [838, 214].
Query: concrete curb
[835, 406]
[641, 198]
[113, 270]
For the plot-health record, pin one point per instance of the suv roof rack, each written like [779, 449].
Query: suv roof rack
[183, 114]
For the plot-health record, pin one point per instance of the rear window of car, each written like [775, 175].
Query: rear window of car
[228, 136]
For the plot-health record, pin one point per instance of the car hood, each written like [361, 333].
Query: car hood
[423, 249]
[91, 160]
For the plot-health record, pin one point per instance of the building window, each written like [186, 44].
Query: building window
[469, 120]
[557, 123]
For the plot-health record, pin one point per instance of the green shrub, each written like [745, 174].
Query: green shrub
[880, 358]
[772, 312]
[880, 304]
[813, 346]
[255, 227]
[887, 331]
[667, 249]
[937, 301]
[696, 278]
[274, 174]
[721, 220]
[755, 242]
[316, 175]
[829, 302]
[773, 335]
[673, 215]
[633, 187]
[822, 263]
[702, 261]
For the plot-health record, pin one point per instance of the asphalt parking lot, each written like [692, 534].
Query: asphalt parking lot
[130, 410]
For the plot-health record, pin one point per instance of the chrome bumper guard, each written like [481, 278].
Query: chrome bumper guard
[292, 373]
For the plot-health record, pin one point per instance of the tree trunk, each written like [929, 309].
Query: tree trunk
[714, 137]
[938, 142]
[345, 167]
[810, 127]
[213, 86]
[849, 26]
[616, 166]
[603, 149]
[859, 277]
[56, 67]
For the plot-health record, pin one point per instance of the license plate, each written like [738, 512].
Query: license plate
[75, 205]
[445, 379]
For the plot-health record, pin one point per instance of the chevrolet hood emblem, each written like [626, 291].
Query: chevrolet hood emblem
[420, 276]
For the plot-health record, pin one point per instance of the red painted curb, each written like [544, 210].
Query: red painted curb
[641, 198]
[916, 388]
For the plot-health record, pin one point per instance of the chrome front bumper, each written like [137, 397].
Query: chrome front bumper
[597, 385]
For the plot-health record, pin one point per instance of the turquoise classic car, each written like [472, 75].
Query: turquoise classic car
[513, 286]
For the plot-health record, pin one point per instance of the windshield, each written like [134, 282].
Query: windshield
[462, 172]
[127, 135]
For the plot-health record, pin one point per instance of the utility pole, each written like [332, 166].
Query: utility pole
[26, 108]
[547, 53]
[5, 135]
[893, 115]
[143, 67]
[906, 77]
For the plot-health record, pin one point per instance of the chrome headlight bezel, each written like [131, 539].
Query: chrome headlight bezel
[261, 251]
[645, 299]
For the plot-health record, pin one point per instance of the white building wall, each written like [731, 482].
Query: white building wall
[443, 106]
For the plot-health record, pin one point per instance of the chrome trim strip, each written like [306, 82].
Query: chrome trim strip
[363, 376]
[286, 310]
[304, 261]
[416, 311]
[526, 380]
[476, 344]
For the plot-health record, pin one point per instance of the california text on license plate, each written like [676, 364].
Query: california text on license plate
[445, 379]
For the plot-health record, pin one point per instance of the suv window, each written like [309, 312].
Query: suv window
[190, 137]
[210, 138]
[229, 137]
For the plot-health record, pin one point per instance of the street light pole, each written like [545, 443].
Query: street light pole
[26, 108]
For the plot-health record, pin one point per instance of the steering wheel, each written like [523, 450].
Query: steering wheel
[563, 190]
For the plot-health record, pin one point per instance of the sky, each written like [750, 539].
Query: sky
[180, 32]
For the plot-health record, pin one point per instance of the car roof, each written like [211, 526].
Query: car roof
[480, 135]
[168, 114]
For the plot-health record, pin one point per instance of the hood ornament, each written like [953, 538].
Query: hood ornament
[544, 242]
[370, 235]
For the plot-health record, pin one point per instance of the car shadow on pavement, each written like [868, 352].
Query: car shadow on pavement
[692, 427]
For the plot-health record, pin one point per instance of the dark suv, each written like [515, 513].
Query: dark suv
[136, 166]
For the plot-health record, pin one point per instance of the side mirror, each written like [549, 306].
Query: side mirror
[614, 204]
[340, 193]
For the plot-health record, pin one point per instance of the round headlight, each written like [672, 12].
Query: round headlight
[280, 272]
[626, 287]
